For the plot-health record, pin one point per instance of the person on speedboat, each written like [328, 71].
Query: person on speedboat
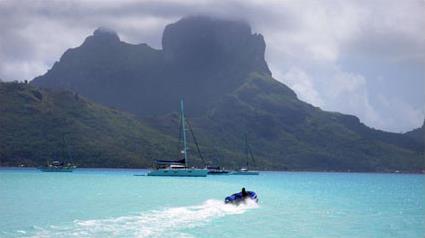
[244, 193]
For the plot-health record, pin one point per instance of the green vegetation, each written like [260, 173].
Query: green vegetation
[284, 133]
[33, 123]
[418, 134]
[288, 134]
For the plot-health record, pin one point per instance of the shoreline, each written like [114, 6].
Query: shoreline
[267, 171]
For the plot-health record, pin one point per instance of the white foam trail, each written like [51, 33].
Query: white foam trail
[157, 223]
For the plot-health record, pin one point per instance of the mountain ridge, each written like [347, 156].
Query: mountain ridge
[218, 67]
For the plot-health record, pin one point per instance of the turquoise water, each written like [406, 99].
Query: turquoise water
[114, 203]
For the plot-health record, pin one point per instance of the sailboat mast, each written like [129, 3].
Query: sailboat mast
[67, 149]
[184, 132]
[247, 151]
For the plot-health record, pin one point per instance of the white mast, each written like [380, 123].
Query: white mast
[184, 132]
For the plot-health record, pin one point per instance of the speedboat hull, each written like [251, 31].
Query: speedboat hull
[179, 172]
[237, 198]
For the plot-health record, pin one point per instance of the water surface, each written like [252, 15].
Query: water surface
[114, 203]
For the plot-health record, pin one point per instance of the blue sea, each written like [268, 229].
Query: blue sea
[115, 203]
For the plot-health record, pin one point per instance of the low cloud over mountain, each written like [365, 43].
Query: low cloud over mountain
[361, 58]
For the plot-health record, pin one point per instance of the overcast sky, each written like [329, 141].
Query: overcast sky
[365, 58]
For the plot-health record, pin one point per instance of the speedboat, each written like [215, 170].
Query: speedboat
[238, 198]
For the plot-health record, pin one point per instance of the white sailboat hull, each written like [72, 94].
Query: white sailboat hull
[179, 172]
[245, 173]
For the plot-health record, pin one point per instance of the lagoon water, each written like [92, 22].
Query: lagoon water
[114, 203]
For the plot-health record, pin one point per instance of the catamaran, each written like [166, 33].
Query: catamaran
[178, 167]
[245, 170]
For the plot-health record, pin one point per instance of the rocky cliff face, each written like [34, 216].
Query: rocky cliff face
[210, 44]
[202, 60]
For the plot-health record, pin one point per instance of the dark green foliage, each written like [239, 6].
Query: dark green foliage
[33, 123]
[418, 135]
[288, 134]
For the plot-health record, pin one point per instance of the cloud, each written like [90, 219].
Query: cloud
[346, 53]
[342, 88]
[339, 55]
[399, 114]
[302, 84]
[350, 91]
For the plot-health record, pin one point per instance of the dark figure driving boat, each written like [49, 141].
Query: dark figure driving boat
[242, 196]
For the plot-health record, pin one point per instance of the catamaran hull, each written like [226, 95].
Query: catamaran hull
[179, 172]
[218, 172]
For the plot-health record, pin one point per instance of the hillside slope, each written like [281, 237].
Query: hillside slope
[288, 134]
[33, 123]
[418, 134]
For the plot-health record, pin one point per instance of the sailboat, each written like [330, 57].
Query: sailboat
[178, 167]
[216, 169]
[59, 166]
[245, 170]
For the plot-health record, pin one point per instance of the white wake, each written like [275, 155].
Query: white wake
[156, 223]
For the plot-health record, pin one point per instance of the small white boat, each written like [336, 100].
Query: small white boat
[244, 171]
[178, 168]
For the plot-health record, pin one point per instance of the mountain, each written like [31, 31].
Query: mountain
[418, 134]
[218, 67]
[201, 58]
[33, 123]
